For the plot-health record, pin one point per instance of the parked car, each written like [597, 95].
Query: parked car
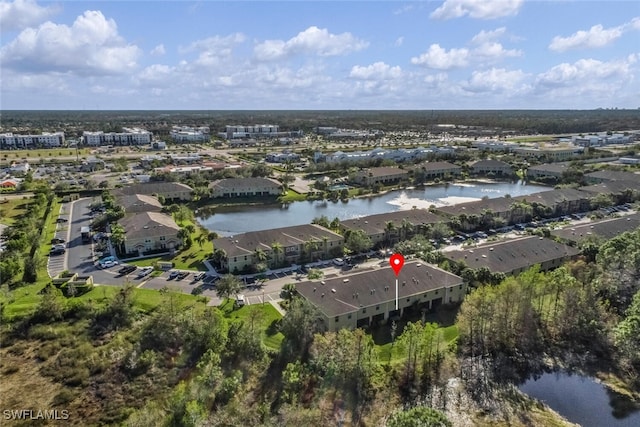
[59, 220]
[199, 276]
[127, 269]
[338, 261]
[56, 240]
[144, 272]
[107, 258]
[182, 275]
[57, 251]
[108, 264]
[59, 246]
[173, 274]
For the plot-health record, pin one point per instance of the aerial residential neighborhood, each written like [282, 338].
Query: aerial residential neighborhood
[349, 214]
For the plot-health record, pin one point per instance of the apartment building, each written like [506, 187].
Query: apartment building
[190, 134]
[382, 175]
[369, 298]
[128, 136]
[10, 141]
[245, 187]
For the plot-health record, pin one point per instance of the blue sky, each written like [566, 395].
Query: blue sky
[386, 55]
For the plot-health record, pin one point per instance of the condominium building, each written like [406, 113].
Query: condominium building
[256, 131]
[128, 136]
[190, 134]
[9, 141]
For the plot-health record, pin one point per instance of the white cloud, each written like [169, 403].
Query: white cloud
[588, 74]
[376, 71]
[156, 73]
[312, 41]
[480, 9]
[21, 14]
[495, 80]
[213, 51]
[159, 50]
[91, 45]
[399, 41]
[488, 36]
[494, 50]
[441, 59]
[596, 36]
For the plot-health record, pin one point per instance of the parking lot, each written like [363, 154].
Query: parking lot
[56, 264]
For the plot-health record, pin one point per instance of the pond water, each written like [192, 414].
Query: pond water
[583, 401]
[239, 219]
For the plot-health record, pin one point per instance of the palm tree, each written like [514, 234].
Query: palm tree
[277, 249]
[260, 255]
[201, 239]
[227, 286]
[190, 228]
[389, 228]
[117, 236]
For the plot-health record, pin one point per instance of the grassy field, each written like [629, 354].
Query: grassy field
[44, 153]
[292, 196]
[263, 314]
[10, 209]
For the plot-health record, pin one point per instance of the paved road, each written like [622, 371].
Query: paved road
[56, 264]
[79, 255]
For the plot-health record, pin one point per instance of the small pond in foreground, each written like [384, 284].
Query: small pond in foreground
[583, 400]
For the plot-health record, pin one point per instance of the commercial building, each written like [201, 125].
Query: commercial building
[9, 141]
[279, 246]
[369, 298]
[190, 134]
[128, 136]
[515, 256]
[149, 231]
[245, 187]
[256, 131]
[553, 153]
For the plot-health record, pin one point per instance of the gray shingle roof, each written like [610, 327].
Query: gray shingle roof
[511, 255]
[606, 229]
[139, 202]
[246, 243]
[240, 184]
[374, 287]
[374, 224]
[148, 224]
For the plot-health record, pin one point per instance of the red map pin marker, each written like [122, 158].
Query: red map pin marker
[396, 261]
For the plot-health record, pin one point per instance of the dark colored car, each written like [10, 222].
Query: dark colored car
[57, 240]
[59, 220]
[182, 275]
[57, 251]
[127, 269]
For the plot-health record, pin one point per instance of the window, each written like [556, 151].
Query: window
[460, 286]
[408, 299]
[437, 292]
[162, 238]
[377, 307]
[245, 257]
[349, 317]
[337, 319]
[364, 310]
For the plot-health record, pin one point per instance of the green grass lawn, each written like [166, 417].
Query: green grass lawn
[292, 196]
[10, 209]
[44, 153]
[264, 315]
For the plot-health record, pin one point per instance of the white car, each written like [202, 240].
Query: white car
[145, 272]
[108, 264]
[338, 261]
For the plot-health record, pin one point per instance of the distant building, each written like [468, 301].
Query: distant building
[284, 245]
[128, 136]
[515, 256]
[439, 169]
[19, 168]
[552, 153]
[282, 157]
[168, 190]
[491, 167]
[9, 141]
[256, 131]
[382, 175]
[369, 298]
[390, 228]
[245, 187]
[190, 134]
[605, 229]
[548, 171]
